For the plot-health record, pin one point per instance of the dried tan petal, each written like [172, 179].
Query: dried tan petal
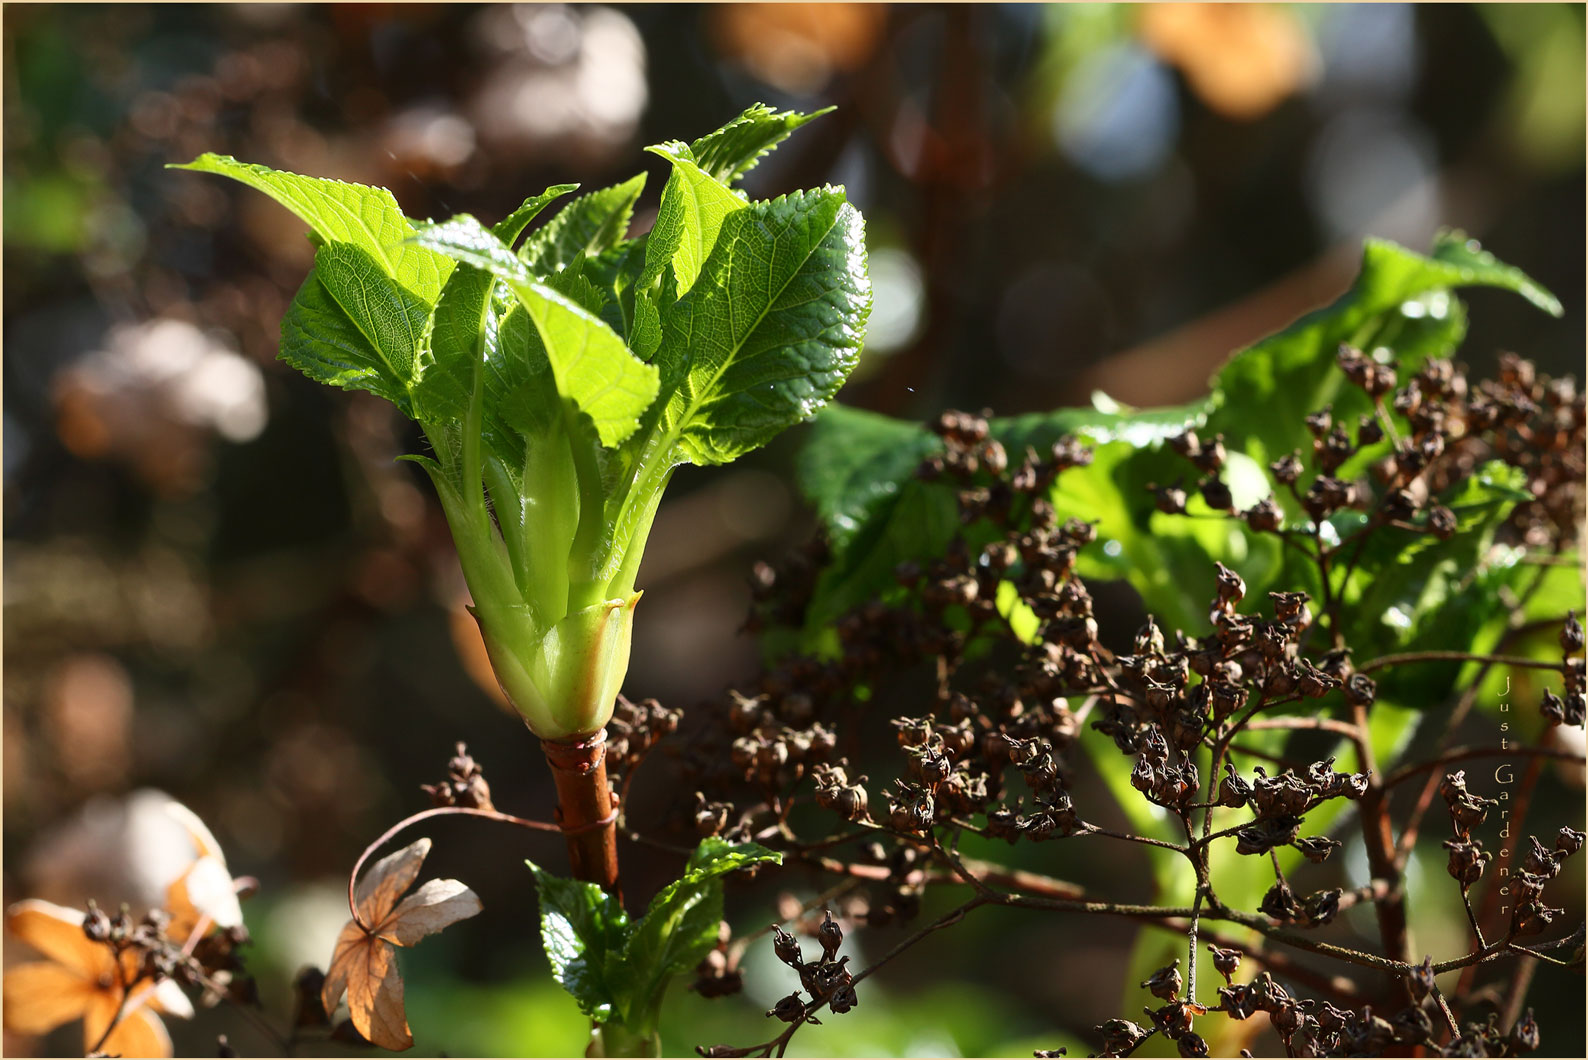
[386, 880]
[57, 933]
[41, 996]
[375, 994]
[336, 973]
[436, 905]
[138, 1033]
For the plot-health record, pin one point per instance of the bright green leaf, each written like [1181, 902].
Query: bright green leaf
[733, 150]
[680, 926]
[589, 225]
[582, 929]
[688, 220]
[770, 331]
[463, 310]
[339, 212]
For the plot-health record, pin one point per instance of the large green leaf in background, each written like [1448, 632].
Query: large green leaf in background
[1400, 300]
[856, 469]
[1407, 591]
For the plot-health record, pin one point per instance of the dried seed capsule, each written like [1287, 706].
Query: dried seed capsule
[786, 947]
[1212, 456]
[1360, 690]
[1264, 516]
[1186, 443]
[1467, 860]
[1368, 431]
[1280, 903]
[1317, 849]
[1225, 961]
[1230, 586]
[1166, 982]
[1169, 499]
[1287, 469]
[1262, 836]
[1571, 635]
[1354, 363]
[788, 1009]
[1524, 1036]
[1569, 841]
[1541, 861]
[1119, 1036]
[1322, 907]
[830, 935]
[852, 803]
[1421, 979]
[1441, 522]
[1233, 791]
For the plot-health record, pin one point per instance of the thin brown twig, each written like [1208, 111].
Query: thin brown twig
[435, 811]
[1461, 754]
[1454, 656]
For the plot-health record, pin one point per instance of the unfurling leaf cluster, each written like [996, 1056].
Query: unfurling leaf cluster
[559, 381]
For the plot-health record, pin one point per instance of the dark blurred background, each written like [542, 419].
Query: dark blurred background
[219, 583]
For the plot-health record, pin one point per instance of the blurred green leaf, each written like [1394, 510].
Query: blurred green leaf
[1400, 300]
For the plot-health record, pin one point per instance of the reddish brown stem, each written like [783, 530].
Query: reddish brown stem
[585, 807]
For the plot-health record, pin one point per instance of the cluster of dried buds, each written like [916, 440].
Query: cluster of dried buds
[1174, 1019]
[1490, 1039]
[1534, 422]
[211, 963]
[1309, 1027]
[992, 743]
[1573, 709]
[635, 728]
[465, 784]
[1446, 429]
[777, 743]
[1531, 916]
[1468, 859]
[827, 979]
